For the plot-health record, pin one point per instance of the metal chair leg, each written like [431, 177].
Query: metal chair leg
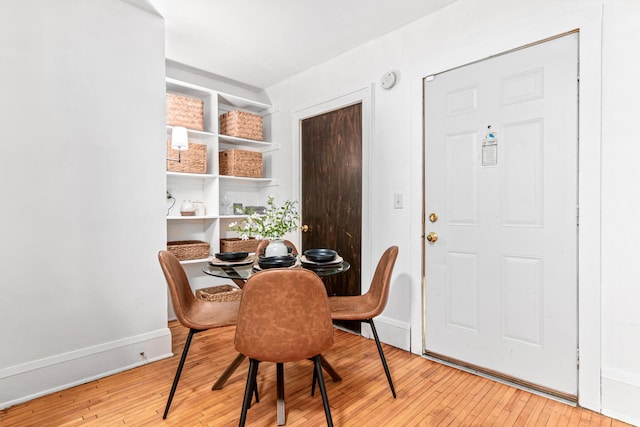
[185, 350]
[315, 378]
[255, 390]
[327, 367]
[382, 358]
[323, 390]
[249, 388]
[280, 404]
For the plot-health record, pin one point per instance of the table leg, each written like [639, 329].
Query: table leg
[282, 417]
[239, 282]
[227, 372]
[327, 367]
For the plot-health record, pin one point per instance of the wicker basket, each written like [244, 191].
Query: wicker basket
[241, 125]
[234, 244]
[185, 111]
[223, 293]
[193, 160]
[189, 249]
[240, 163]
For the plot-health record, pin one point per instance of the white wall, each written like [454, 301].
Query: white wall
[620, 211]
[82, 200]
[470, 30]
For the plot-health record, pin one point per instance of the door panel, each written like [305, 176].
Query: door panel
[501, 280]
[332, 192]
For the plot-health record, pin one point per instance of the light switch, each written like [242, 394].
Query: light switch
[397, 201]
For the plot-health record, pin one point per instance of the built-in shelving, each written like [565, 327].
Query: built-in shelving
[210, 186]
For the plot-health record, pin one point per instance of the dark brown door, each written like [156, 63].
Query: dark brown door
[332, 192]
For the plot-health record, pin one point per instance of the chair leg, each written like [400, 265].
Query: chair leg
[185, 350]
[280, 406]
[313, 381]
[255, 390]
[323, 390]
[249, 388]
[382, 358]
[329, 369]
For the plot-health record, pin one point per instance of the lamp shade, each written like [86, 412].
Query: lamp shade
[179, 139]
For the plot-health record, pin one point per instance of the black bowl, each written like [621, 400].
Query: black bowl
[232, 256]
[276, 261]
[320, 255]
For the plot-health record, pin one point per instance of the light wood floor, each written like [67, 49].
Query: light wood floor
[429, 394]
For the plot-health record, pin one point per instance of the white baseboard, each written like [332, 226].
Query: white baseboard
[620, 395]
[390, 331]
[20, 383]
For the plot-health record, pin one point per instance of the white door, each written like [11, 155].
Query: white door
[501, 278]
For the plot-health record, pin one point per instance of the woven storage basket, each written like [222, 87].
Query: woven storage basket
[193, 160]
[235, 244]
[240, 163]
[241, 125]
[223, 293]
[189, 249]
[185, 111]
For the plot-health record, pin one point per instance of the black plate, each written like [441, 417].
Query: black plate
[276, 261]
[232, 256]
[320, 255]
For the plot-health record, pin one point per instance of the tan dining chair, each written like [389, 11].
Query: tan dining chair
[371, 304]
[264, 243]
[196, 314]
[284, 316]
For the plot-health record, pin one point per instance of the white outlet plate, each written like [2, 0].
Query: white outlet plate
[397, 201]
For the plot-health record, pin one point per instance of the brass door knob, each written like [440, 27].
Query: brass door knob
[432, 237]
[304, 228]
[433, 217]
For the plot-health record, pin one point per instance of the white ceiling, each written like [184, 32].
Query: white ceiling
[262, 42]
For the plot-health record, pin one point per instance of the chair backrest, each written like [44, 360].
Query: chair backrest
[190, 311]
[284, 316]
[178, 283]
[264, 243]
[378, 292]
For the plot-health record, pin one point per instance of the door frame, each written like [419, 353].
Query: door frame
[363, 96]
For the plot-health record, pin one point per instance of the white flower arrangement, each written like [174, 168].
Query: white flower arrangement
[273, 224]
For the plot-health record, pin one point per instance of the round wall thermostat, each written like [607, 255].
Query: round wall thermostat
[388, 80]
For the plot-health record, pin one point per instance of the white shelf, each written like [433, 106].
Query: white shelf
[242, 179]
[191, 175]
[190, 218]
[189, 89]
[231, 102]
[233, 141]
[195, 134]
[224, 99]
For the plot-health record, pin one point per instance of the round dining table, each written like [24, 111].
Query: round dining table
[240, 271]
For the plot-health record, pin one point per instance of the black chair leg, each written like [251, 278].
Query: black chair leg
[187, 344]
[323, 390]
[255, 391]
[313, 382]
[280, 405]
[382, 358]
[249, 389]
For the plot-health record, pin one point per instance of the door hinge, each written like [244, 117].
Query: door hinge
[578, 358]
